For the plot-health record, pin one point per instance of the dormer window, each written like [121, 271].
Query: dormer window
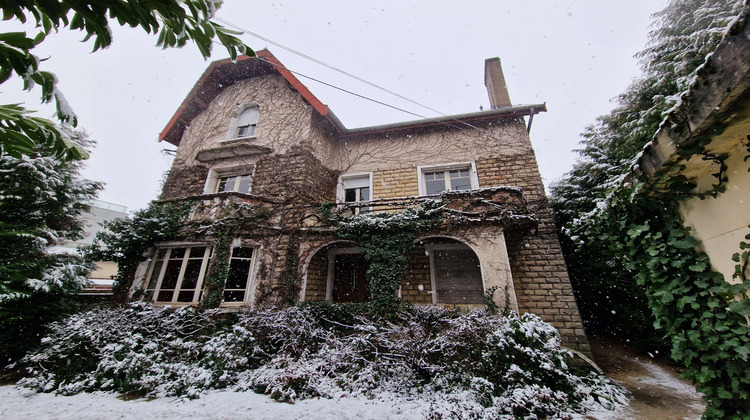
[244, 121]
[246, 131]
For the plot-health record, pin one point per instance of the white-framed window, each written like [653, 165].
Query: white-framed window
[455, 274]
[355, 188]
[231, 179]
[177, 274]
[434, 180]
[234, 183]
[241, 262]
[244, 121]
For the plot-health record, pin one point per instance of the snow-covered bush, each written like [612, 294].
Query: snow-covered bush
[493, 367]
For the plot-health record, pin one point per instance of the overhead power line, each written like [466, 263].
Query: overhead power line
[324, 64]
[361, 96]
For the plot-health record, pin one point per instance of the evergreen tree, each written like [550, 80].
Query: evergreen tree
[42, 199]
[684, 33]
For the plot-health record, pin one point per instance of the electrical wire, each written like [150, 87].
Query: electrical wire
[307, 57]
[324, 64]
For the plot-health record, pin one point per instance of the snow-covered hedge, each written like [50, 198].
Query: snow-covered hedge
[471, 365]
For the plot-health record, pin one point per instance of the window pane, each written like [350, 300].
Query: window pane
[161, 253]
[154, 275]
[149, 296]
[171, 274]
[192, 271]
[186, 296]
[165, 296]
[244, 184]
[238, 273]
[458, 184]
[364, 194]
[243, 131]
[197, 252]
[350, 195]
[242, 252]
[177, 253]
[434, 187]
[227, 183]
[234, 295]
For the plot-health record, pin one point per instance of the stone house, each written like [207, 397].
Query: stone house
[257, 154]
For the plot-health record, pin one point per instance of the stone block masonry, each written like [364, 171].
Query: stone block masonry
[540, 276]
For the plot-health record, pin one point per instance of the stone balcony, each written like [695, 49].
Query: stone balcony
[504, 206]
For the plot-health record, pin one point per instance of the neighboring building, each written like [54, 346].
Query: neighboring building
[250, 136]
[715, 114]
[100, 280]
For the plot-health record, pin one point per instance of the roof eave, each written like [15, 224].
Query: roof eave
[721, 83]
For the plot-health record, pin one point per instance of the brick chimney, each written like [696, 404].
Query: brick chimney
[495, 82]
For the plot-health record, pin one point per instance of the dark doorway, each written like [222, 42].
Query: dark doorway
[349, 279]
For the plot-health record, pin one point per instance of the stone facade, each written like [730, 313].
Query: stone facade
[300, 156]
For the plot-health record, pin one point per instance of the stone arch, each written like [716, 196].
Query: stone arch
[454, 267]
[315, 270]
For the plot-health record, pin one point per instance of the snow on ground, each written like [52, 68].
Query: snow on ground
[659, 376]
[20, 404]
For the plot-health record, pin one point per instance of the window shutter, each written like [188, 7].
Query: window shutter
[359, 182]
[248, 117]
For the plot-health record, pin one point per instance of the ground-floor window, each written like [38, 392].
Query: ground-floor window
[455, 274]
[240, 271]
[177, 274]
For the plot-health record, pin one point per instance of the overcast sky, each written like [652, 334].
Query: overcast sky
[574, 55]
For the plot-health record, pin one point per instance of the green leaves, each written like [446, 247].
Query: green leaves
[176, 21]
[22, 134]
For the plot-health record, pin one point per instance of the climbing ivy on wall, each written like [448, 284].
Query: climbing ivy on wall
[126, 240]
[218, 270]
[384, 239]
[703, 315]
[237, 217]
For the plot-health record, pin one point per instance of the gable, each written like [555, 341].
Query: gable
[223, 74]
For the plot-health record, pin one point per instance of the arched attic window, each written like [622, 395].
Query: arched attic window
[244, 121]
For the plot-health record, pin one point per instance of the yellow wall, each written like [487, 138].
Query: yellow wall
[104, 270]
[721, 223]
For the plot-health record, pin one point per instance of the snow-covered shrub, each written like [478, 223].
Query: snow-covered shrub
[486, 365]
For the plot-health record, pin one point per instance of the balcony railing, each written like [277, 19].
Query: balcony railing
[498, 205]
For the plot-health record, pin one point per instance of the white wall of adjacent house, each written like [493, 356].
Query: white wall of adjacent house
[721, 223]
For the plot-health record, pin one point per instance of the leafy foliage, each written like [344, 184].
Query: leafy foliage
[126, 240]
[216, 277]
[41, 200]
[384, 239]
[686, 31]
[628, 251]
[496, 367]
[176, 23]
[697, 310]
